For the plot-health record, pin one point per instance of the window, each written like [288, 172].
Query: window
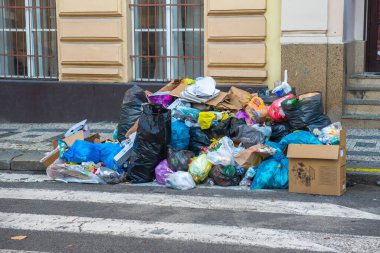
[167, 39]
[28, 39]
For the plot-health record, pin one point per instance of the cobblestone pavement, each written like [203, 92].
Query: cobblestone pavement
[38, 137]
[363, 145]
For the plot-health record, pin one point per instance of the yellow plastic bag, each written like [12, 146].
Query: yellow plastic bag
[199, 168]
[205, 119]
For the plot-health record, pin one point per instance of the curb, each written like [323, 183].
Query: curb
[16, 161]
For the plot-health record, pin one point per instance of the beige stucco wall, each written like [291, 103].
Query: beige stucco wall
[94, 41]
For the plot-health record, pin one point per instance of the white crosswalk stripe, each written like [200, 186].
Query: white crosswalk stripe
[242, 235]
[198, 202]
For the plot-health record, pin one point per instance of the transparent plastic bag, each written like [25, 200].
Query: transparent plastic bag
[330, 135]
[265, 130]
[248, 177]
[200, 168]
[222, 152]
[179, 160]
[61, 171]
[180, 180]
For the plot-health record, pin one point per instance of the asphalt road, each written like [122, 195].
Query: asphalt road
[59, 217]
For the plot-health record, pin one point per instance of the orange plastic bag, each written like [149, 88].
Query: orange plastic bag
[256, 110]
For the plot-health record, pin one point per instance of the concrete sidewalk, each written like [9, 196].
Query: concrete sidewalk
[23, 145]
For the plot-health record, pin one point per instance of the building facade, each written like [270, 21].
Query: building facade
[62, 60]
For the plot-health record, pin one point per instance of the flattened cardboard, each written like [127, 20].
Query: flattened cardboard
[50, 158]
[318, 169]
[171, 86]
[218, 99]
[177, 91]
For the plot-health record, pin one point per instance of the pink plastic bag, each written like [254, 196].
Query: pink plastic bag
[163, 172]
[275, 110]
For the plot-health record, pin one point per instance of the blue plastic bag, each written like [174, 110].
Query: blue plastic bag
[82, 151]
[108, 151]
[272, 173]
[180, 137]
[300, 137]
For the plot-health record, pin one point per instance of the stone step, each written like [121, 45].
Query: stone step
[362, 94]
[364, 80]
[362, 101]
[360, 121]
[363, 109]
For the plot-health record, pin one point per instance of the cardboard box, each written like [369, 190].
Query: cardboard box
[317, 169]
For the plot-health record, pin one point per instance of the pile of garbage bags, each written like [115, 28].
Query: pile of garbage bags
[190, 133]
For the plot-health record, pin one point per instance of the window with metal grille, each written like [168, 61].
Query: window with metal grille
[28, 39]
[167, 39]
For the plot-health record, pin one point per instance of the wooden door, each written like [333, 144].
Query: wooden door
[373, 37]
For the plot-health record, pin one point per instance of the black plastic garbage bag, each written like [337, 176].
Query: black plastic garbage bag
[306, 113]
[249, 136]
[150, 147]
[228, 127]
[279, 130]
[225, 175]
[198, 139]
[179, 160]
[130, 110]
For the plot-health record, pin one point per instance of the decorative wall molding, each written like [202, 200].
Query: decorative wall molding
[235, 33]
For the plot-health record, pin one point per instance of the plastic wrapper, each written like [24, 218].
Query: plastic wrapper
[198, 139]
[67, 173]
[272, 173]
[306, 112]
[248, 177]
[225, 175]
[162, 172]
[279, 131]
[150, 146]
[205, 119]
[257, 110]
[180, 180]
[180, 136]
[276, 112]
[179, 160]
[248, 136]
[330, 135]
[199, 168]
[161, 98]
[109, 176]
[186, 113]
[130, 110]
[265, 130]
[222, 152]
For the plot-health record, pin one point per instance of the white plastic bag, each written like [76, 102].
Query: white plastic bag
[222, 153]
[180, 180]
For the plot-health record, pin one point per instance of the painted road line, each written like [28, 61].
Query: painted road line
[213, 234]
[367, 170]
[18, 177]
[186, 201]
